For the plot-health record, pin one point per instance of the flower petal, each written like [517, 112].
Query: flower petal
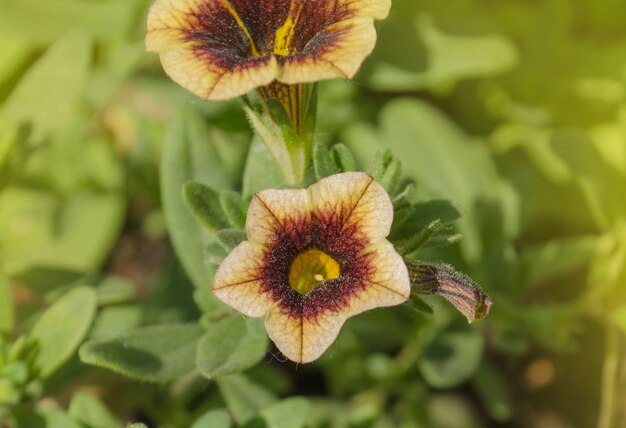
[273, 214]
[206, 47]
[362, 205]
[381, 266]
[238, 281]
[336, 51]
[304, 334]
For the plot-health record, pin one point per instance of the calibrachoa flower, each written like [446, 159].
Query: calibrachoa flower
[314, 257]
[220, 49]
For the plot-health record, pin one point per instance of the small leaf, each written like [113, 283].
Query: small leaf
[157, 354]
[344, 158]
[234, 207]
[205, 205]
[292, 412]
[6, 305]
[412, 244]
[90, 412]
[418, 305]
[113, 290]
[62, 327]
[323, 164]
[452, 357]
[455, 287]
[227, 347]
[213, 419]
[491, 388]
[244, 398]
[230, 238]
[391, 176]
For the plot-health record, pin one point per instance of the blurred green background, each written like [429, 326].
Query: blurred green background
[514, 110]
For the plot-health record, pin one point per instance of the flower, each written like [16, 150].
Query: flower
[220, 49]
[314, 257]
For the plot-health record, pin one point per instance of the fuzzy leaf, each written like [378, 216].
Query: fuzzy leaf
[344, 158]
[205, 205]
[230, 238]
[62, 327]
[213, 419]
[227, 347]
[156, 354]
[244, 398]
[234, 208]
[323, 163]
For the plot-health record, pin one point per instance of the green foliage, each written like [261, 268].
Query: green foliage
[154, 354]
[229, 347]
[62, 327]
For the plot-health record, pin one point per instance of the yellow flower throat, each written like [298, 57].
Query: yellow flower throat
[311, 268]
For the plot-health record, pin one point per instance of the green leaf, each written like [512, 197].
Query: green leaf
[116, 320]
[213, 419]
[156, 354]
[113, 290]
[343, 157]
[90, 412]
[188, 155]
[412, 244]
[449, 57]
[48, 418]
[418, 305]
[50, 89]
[204, 203]
[227, 347]
[323, 163]
[62, 327]
[230, 238]
[261, 172]
[6, 305]
[452, 357]
[41, 21]
[492, 390]
[292, 412]
[244, 398]
[234, 207]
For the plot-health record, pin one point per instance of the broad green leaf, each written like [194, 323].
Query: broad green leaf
[90, 412]
[188, 155]
[62, 327]
[448, 58]
[452, 358]
[234, 208]
[46, 418]
[204, 203]
[244, 398]
[261, 171]
[116, 320]
[230, 238]
[48, 92]
[156, 354]
[6, 305]
[213, 419]
[41, 21]
[228, 347]
[292, 412]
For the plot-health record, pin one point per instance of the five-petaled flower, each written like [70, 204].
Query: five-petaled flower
[220, 49]
[314, 257]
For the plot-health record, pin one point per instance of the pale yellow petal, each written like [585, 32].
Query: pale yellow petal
[337, 51]
[238, 281]
[388, 271]
[273, 211]
[358, 200]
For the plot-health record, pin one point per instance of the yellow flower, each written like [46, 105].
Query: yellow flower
[314, 257]
[220, 49]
